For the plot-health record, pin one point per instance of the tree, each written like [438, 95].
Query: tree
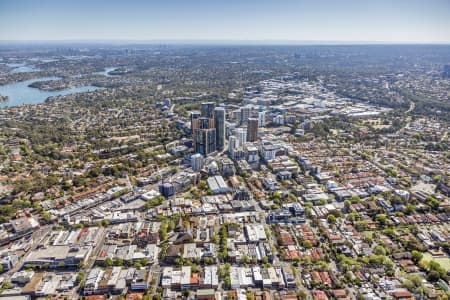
[361, 225]
[118, 261]
[379, 250]
[163, 230]
[410, 209]
[202, 184]
[157, 296]
[186, 292]
[214, 239]
[331, 219]
[347, 205]
[46, 216]
[389, 232]
[301, 294]
[245, 259]
[381, 219]
[433, 276]
[6, 285]
[227, 282]
[416, 255]
[249, 295]
[208, 260]
[433, 202]
[80, 277]
[355, 199]
[307, 244]
[178, 261]
[108, 262]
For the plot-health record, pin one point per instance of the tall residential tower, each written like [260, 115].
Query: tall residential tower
[204, 134]
[252, 130]
[207, 110]
[219, 122]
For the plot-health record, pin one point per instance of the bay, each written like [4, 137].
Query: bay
[20, 93]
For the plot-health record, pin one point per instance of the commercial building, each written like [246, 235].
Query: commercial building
[197, 162]
[58, 256]
[178, 182]
[255, 233]
[217, 185]
[210, 277]
[278, 119]
[261, 119]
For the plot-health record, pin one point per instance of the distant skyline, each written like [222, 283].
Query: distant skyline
[288, 21]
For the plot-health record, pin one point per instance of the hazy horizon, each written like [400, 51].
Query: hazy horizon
[247, 21]
[221, 42]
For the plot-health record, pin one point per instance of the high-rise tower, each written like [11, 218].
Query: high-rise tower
[245, 114]
[194, 116]
[204, 134]
[252, 130]
[241, 134]
[261, 119]
[207, 109]
[219, 122]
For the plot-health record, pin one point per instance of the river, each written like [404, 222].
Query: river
[20, 93]
[106, 72]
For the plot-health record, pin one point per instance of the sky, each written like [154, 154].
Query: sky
[393, 21]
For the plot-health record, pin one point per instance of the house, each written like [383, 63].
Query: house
[342, 195]
[319, 295]
[340, 293]
[402, 294]
[206, 294]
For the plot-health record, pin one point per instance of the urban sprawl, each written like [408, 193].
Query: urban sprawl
[293, 186]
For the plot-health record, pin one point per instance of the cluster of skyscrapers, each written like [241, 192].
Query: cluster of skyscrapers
[209, 128]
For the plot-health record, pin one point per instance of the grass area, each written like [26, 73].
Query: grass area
[443, 261]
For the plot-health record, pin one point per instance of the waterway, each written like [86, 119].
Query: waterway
[21, 68]
[20, 93]
[106, 72]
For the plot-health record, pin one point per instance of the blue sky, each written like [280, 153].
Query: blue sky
[420, 21]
